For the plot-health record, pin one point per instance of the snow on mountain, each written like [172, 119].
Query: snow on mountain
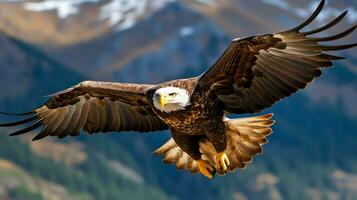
[278, 3]
[210, 2]
[326, 14]
[64, 8]
[124, 13]
[121, 14]
[187, 30]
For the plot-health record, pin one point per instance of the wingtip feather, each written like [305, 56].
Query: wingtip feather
[327, 26]
[17, 114]
[41, 135]
[27, 129]
[16, 123]
[310, 19]
[38, 137]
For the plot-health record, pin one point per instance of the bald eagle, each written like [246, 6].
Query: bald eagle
[251, 75]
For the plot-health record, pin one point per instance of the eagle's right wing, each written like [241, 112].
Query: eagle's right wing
[94, 107]
[256, 72]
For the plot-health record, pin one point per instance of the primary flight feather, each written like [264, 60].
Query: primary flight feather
[251, 75]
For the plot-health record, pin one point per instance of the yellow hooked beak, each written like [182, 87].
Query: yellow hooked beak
[163, 100]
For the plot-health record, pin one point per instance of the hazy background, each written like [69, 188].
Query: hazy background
[48, 45]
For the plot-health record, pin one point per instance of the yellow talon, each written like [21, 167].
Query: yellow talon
[206, 169]
[222, 161]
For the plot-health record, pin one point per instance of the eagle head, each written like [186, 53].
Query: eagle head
[169, 99]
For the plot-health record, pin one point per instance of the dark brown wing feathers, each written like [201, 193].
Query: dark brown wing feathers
[255, 72]
[93, 107]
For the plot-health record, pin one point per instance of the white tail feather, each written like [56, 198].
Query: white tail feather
[245, 137]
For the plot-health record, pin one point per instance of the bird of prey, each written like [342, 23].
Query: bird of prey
[251, 75]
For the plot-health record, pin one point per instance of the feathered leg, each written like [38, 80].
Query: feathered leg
[190, 145]
[217, 136]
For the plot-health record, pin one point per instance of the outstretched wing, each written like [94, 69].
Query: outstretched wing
[93, 107]
[258, 71]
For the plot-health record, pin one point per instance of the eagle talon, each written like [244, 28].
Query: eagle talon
[222, 161]
[206, 169]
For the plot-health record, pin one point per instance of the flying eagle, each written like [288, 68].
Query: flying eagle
[251, 75]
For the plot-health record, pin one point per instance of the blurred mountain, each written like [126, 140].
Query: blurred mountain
[49, 45]
[111, 31]
[27, 72]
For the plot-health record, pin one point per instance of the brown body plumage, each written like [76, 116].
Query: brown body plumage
[201, 120]
[252, 74]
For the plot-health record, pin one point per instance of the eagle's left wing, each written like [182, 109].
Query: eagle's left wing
[94, 107]
[258, 71]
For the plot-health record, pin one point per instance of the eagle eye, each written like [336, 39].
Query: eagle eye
[173, 94]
